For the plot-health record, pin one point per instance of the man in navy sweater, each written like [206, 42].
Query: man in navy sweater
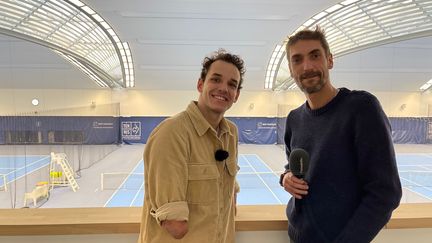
[352, 185]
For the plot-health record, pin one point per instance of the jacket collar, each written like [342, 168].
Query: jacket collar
[201, 125]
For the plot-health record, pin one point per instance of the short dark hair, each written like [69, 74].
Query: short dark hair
[307, 34]
[225, 56]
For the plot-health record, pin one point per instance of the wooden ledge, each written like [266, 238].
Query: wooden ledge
[61, 221]
[411, 215]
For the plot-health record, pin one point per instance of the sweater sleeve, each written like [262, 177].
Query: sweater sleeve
[287, 140]
[379, 179]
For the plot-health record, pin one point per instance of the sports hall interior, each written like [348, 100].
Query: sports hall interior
[84, 82]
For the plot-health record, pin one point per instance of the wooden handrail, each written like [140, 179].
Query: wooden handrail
[61, 221]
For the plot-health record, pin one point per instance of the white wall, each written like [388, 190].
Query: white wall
[399, 104]
[167, 103]
[132, 102]
[19, 100]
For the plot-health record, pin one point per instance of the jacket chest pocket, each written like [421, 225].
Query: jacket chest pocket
[202, 184]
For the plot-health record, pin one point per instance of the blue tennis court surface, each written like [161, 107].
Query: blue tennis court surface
[259, 184]
[15, 167]
[415, 171]
[131, 191]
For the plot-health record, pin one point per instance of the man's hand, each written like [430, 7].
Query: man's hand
[177, 229]
[295, 186]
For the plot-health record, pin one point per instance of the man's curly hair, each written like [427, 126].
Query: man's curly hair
[225, 56]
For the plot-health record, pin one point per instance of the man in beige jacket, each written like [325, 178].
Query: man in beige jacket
[190, 163]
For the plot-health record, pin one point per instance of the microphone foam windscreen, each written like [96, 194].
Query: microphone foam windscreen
[299, 162]
[221, 155]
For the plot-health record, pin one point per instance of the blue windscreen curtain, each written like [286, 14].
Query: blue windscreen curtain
[114, 130]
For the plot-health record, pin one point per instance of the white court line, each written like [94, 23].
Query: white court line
[29, 172]
[268, 167]
[136, 195]
[264, 182]
[426, 168]
[418, 186]
[118, 188]
[414, 171]
[29, 165]
[419, 165]
[423, 165]
[238, 161]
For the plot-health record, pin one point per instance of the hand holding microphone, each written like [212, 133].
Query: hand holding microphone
[293, 181]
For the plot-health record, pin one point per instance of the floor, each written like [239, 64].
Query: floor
[116, 180]
[259, 182]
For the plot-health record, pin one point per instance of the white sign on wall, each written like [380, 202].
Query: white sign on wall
[131, 130]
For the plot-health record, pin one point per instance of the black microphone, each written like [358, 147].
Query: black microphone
[221, 155]
[299, 162]
[299, 165]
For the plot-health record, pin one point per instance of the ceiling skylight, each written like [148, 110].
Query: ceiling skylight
[76, 32]
[355, 25]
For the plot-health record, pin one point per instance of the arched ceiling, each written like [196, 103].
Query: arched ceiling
[169, 38]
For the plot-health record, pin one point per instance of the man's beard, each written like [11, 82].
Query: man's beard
[311, 89]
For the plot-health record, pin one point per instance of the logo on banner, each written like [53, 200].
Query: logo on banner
[106, 125]
[266, 125]
[131, 130]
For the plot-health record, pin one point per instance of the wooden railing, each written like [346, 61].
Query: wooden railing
[61, 221]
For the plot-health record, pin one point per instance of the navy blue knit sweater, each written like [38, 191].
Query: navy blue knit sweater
[353, 181]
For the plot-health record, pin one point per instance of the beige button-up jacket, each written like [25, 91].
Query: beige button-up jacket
[183, 180]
